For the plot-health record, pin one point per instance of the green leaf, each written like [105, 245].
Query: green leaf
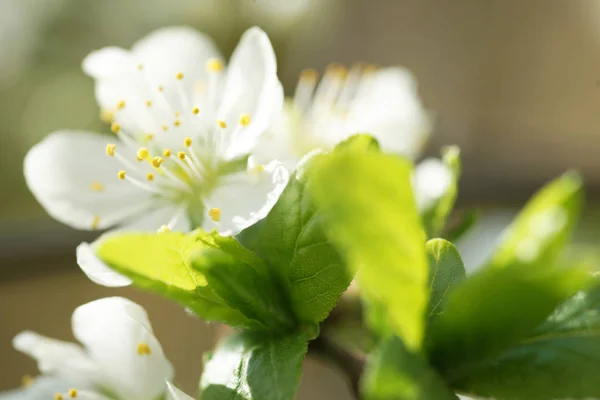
[446, 269]
[561, 359]
[371, 212]
[394, 373]
[539, 232]
[495, 309]
[292, 240]
[160, 263]
[249, 366]
[435, 218]
[241, 279]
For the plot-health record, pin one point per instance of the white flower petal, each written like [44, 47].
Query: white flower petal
[388, 107]
[246, 197]
[107, 62]
[96, 270]
[431, 180]
[251, 87]
[283, 141]
[55, 357]
[70, 174]
[43, 387]
[118, 337]
[173, 393]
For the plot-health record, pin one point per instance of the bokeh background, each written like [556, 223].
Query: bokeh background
[515, 83]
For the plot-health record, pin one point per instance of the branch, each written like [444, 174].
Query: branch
[351, 365]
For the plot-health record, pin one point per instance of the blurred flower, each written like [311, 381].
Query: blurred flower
[120, 355]
[381, 102]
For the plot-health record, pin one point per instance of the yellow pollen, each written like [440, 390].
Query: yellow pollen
[73, 393]
[26, 380]
[58, 396]
[110, 149]
[121, 105]
[143, 349]
[222, 123]
[148, 103]
[167, 152]
[164, 127]
[149, 136]
[195, 110]
[106, 116]
[161, 88]
[115, 127]
[164, 229]
[214, 65]
[140, 67]
[259, 168]
[177, 122]
[95, 222]
[187, 142]
[142, 153]
[150, 176]
[337, 70]
[215, 214]
[177, 113]
[121, 175]
[309, 75]
[181, 155]
[179, 76]
[157, 161]
[245, 119]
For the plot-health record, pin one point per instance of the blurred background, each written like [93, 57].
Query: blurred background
[516, 84]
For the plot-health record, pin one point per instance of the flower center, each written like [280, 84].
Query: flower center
[176, 169]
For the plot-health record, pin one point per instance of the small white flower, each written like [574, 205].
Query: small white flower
[383, 103]
[120, 354]
[184, 125]
[431, 180]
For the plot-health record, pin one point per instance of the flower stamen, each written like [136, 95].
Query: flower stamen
[214, 65]
[143, 349]
[215, 214]
[72, 393]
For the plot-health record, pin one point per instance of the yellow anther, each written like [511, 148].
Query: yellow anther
[164, 127]
[58, 396]
[97, 186]
[337, 70]
[187, 141]
[157, 161]
[179, 75]
[161, 88]
[245, 119]
[370, 69]
[214, 65]
[195, 110]
[148, 103]
[259, 168]
[27, 380]
[149, 136]
[107, 116]
[110, 149]
[142, 153]
[222, 123]
[150, 176]
[121, 105]
[309, 74]
[215, 214]
[72, 393]
[121, 174]
[143, 349]
[115, 127]
[177, 122]
[181, 155]
[177, 113]
[140, 67]
[163, 229]
[95, 222]
[167, 152]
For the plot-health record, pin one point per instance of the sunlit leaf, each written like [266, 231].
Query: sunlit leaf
[446, 269]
